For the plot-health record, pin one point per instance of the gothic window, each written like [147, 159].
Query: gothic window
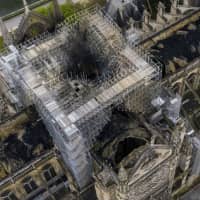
[29, 185]
[191, 78]
[176, 88]
[8, 195]
[48, 172]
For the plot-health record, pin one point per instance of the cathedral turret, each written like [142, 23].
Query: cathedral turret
[26, 7]
[174, 7]
[160, 18]
[122, 175]
[123, 188]
[146, 26]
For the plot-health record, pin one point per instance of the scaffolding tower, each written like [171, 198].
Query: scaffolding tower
[75, 110]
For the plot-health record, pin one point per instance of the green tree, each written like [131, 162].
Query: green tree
[67, 9]
[43, 11]
[46, 11]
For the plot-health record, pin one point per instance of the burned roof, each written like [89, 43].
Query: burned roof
[23, 144]
[187, 48]
[122, 136]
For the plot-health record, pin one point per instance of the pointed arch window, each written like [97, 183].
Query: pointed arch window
[8, 195]
[29, 185]
[49, 172]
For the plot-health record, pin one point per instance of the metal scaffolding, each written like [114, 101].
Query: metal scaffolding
[75, 109]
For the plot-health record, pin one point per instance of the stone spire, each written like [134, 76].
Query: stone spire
[7, 38]
[174, 7]
[57, 11]
[147, 17]
[161, 8]
[122, 175]
[122, 190]
[160, 18]
[26, 8]
[146, 21]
